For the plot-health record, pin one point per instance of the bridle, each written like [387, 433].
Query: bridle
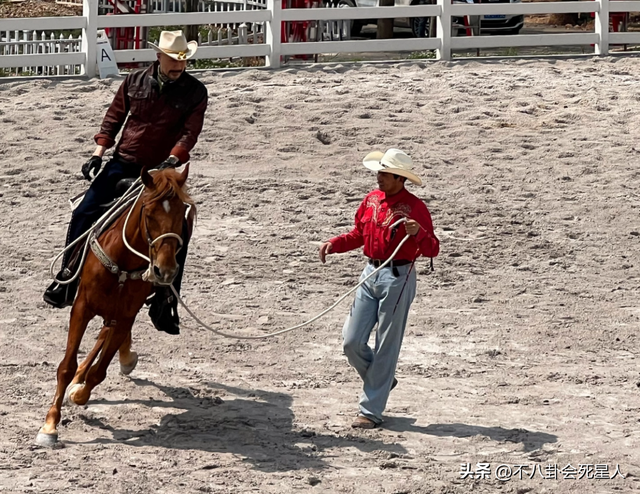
[150, 241]
[144, 274]
[149, 275]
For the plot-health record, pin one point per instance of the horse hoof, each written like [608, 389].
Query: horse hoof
[47, 440]
[68, 400]
[125, 370]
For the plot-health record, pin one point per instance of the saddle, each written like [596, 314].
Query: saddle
[121, 188]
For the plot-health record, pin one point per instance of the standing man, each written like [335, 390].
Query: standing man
[386, 297]
[163, 108]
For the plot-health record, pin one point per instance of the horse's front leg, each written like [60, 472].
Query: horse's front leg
[80, 317]
[128, 359]
[81, 373]
[117, 334]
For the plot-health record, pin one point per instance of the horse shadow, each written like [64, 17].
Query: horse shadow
[256, 425]
[530, 440]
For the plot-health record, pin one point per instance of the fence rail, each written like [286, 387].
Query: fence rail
[32, 43]
[320, 21]
[168, 6]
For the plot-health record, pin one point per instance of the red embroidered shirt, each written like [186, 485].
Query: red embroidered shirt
[373, 230]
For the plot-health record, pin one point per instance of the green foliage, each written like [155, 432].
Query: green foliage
[14, 73]
[226, 63]
[213, 63]
[416, 55]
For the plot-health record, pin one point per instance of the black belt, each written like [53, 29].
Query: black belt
[379, 262]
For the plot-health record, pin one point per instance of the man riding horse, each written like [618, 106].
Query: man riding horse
[165, 107]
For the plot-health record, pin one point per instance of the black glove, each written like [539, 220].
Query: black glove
[171, 162]
[94, 164]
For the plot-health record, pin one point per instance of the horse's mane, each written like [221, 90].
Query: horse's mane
[166, 187]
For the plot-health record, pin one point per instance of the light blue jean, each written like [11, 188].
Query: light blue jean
[382, 300]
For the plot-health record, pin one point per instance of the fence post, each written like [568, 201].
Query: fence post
[90, 37]
[242, 34]
[273, 34]
[602, 28]
[25, 47]
[58, 49]
[443, 30]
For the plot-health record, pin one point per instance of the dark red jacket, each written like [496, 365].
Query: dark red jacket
[372, 230]
[159, 124]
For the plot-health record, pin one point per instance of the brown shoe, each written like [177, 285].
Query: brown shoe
[363, 423]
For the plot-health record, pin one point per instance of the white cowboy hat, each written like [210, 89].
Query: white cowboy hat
[174, 44]
[393, 161]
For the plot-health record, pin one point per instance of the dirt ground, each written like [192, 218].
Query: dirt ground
[521, 345]
[37, 8]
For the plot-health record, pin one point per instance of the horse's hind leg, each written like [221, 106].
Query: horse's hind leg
[80, 317]
[98, 371]
[128, 359]
[81, 373]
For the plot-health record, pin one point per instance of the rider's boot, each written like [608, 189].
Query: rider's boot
[164, 304]
[164, 311]
[59, 295]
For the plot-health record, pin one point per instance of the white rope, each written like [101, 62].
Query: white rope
[113, 212]
[148, 275]
[125, 201]
[227, 335]
[124, 229]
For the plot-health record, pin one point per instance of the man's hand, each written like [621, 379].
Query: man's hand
[171, 162]
[412, 227]
[325, 249]
[94, 164]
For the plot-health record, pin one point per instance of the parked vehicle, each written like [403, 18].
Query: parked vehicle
[490, 24]
[498, 23]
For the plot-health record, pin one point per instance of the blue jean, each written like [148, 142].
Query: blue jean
[101, 191]
[384, 299]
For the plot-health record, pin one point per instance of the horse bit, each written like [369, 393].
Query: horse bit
[145, 274]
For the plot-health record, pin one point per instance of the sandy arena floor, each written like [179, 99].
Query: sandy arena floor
[521, 346]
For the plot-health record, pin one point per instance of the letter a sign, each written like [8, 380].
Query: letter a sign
[106, 59]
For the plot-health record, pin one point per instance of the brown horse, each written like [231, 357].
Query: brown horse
[113, 287]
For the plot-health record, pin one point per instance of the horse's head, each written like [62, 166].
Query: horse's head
[164, 204]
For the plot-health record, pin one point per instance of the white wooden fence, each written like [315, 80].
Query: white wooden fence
[32, 42]
[226, 6]
[273, 16]
[165, 6]
[219, 37]
[208, 5]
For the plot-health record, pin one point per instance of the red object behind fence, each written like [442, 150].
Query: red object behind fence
[127, 38]
[296, 31]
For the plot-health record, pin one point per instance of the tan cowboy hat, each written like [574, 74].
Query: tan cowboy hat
[174, 44]
[393, 161]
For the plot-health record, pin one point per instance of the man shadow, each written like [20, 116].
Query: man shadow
[256, 425]
[530, 440]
